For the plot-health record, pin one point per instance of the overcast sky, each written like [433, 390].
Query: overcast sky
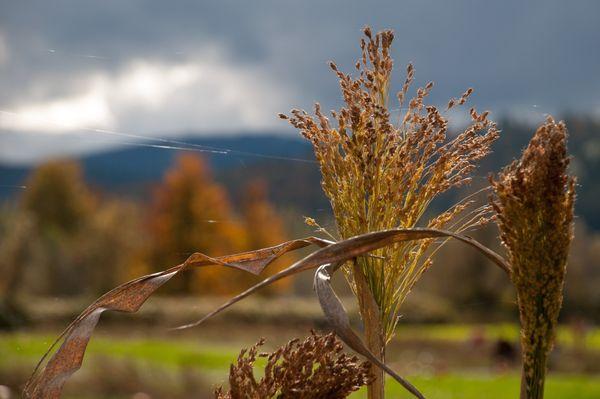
[164, 68]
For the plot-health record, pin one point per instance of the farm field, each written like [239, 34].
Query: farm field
[118, 365]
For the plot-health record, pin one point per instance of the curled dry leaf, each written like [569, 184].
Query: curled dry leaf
[336, 313]
[344, 250]
[338, 318]
[340, 252]
[48, 381]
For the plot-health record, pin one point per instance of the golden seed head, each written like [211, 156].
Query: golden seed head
[310, 221]
[380, 175]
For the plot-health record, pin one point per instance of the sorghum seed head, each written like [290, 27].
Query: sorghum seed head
[378, 175]
[533, 201]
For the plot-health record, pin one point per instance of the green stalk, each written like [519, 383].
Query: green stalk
[374, 333]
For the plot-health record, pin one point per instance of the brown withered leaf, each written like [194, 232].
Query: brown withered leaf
[342, 251]
[48, 381]
[333, 256]
[338, 317]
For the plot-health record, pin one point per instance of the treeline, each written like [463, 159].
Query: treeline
[61, 238]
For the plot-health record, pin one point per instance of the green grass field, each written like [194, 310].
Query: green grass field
[23, 350]
[486, 386]
[461, 332]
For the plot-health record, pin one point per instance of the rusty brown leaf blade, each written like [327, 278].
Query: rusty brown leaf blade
[342, 251]
[338, 317]
[339, 252]
[47, 382]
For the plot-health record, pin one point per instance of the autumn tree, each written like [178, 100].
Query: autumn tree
[264, 228]
[60, 206]
[57, 197]
[191, 213]
[111, 244]
[67, 242]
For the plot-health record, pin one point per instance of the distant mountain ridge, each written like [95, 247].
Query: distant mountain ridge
[281, 160]
[115, 169]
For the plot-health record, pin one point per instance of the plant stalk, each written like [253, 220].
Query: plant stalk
[374, 335]
[533, 375]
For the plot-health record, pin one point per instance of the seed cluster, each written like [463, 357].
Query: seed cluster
[311, 369]
[534, 199]
[380, 175]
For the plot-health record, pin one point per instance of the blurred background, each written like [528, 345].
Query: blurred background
[134, 133]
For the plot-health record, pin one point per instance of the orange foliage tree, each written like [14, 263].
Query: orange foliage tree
[264, 228]
[191, 213]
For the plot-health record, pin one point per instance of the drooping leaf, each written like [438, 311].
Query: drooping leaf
[342, 251]
[338, 317]
[47, 382]
[338, 253]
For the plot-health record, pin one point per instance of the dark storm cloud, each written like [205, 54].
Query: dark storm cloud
[530, 57]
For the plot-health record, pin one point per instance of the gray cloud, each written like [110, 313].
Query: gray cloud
[521, 57]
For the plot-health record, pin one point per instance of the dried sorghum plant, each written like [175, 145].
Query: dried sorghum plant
[311, 369]
[534, 199]
[381, 175]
